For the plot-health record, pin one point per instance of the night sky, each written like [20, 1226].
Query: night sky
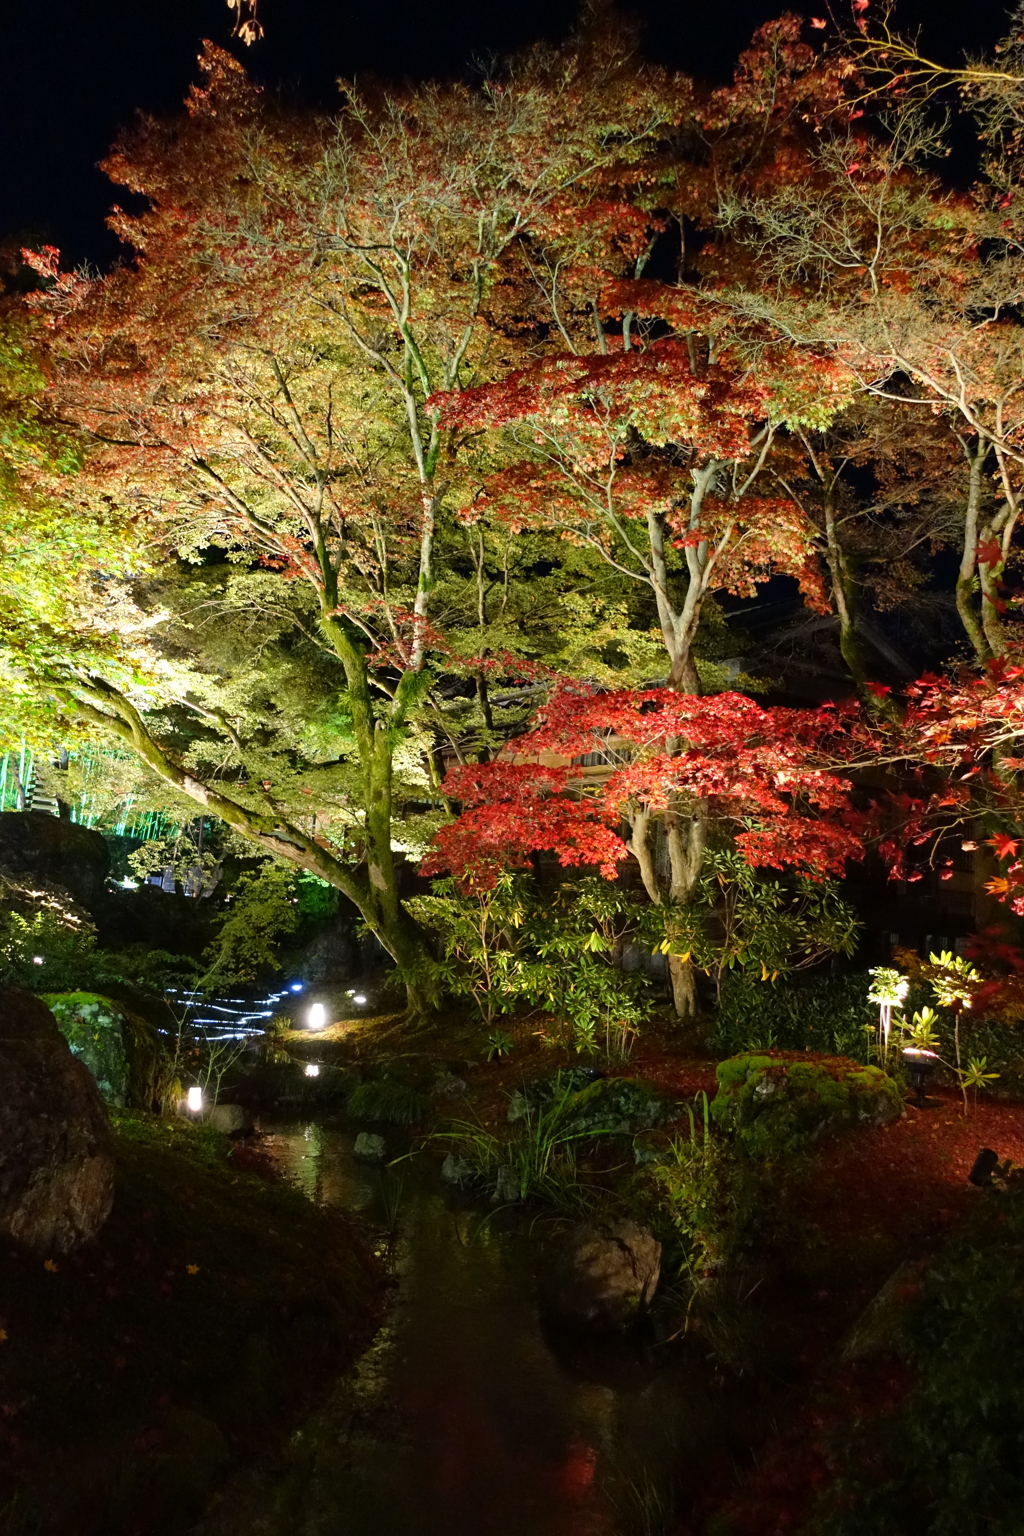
[73, 71]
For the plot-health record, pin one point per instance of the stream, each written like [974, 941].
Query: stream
[469, 1415]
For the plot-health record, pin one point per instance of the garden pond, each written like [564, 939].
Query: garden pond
[470, 1414]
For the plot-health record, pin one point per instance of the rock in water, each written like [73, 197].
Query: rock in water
[507, 1189]
[56, 1157]
[456, 1170]
[605, 1276]
[369, 1148]
[231, 1119]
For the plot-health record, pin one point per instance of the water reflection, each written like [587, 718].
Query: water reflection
[467, 1417]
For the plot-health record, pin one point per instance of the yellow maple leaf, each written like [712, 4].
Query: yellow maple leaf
[192, 1269]
[3, 1335]
[50, 1265]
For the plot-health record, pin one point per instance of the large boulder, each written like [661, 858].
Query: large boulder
[776, 1105]
[56, 1158]
[36, 847]
[605, 1276]
[123, 1051]
[330, 957]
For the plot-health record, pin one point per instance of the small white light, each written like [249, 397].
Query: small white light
[37, 960]
[296, 986]
[317, 1016]
[312, 1070]
[194, 1100]
[358, 998]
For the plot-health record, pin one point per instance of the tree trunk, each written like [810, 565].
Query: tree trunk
[684, 986]
[683, 675]
[968, 572]
[844, 603]
[686, 866]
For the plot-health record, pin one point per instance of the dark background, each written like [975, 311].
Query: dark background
[73, 71]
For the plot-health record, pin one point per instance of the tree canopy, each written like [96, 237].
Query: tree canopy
[421, 452]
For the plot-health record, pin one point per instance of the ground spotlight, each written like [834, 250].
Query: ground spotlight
[920, 1065]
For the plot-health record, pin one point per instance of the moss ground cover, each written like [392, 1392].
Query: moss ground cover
[134, 1374]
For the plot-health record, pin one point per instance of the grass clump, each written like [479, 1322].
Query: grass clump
[388, 1100]
[186, 1339]
[537, 1158]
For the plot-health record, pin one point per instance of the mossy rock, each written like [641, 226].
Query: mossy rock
[595, 1105]
[776, 1105]
[122, 1051]
[614, 1105]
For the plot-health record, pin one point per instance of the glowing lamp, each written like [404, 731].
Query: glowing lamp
[194, 1100]
[312, 1070]
[920, 1065]
[359, 998]
[37, 960]
[317, 1016]
[296, 986]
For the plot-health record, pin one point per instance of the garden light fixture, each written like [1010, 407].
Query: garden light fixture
[317, 1016]
[985, 1165]
[312, 1070]
[194, 1100]
[920, 1065]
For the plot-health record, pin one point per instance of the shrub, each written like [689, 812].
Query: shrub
[516, 945]
[776, 1107]
[817, 1013]
[715, 1209]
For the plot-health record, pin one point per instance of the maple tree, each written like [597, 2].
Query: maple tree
[695, 765]
[262, 380]
[648, 434]
[912, 286]
[67, 560]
